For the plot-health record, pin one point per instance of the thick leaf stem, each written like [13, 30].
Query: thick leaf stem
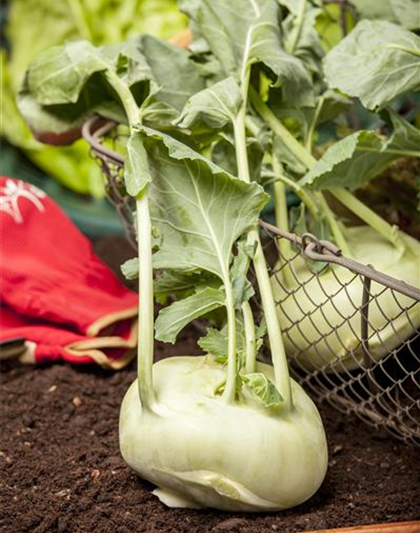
[314, 122]
[146, 303]
[145, 347]
[250, 341]
[307, 197]
[368, 216]
[280, 206]
[334, 225]
[285, 246]
[300, 18]
[407, 49]
[278, 353]
[280, 130]
[232, 366]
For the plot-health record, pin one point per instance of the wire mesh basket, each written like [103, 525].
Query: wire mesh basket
[351, 333]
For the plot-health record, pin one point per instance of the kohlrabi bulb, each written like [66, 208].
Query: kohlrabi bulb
[320, 316]
[202, 452]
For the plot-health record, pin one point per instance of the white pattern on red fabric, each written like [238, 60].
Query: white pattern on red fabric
[15, 190]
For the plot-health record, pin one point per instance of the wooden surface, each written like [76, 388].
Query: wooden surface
[400, 527]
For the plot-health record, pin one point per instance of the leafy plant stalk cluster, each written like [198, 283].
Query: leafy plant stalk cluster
[212, 132]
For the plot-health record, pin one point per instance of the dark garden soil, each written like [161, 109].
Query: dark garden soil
[61, 470]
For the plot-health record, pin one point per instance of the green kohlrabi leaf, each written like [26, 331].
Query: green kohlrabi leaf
[223, 154]
[287, 157]
[407, 13]
[176, 316]
[302, 39]
[181, 284]
[128, 61]
[178, 150]
[403, 12]
[243, 32]
[199, 210]
[262, 389]
[59, 74]
[155, 112]
[350, 162]
[376, 62]
[333, 105]
[66, 84]
[405, 137]
[173, 71]
[375, 10]
[216, 106]
[136, 168]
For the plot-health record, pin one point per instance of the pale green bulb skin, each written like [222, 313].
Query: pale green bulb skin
[338, 319]
[201, 452]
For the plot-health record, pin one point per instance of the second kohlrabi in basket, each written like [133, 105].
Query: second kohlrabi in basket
[320, 315]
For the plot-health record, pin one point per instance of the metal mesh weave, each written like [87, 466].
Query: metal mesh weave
[351, 333]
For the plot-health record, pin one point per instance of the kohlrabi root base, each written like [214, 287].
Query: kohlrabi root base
[321, 320]
[201, 452]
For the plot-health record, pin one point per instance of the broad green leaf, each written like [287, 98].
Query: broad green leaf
[375, 10]
[403, 12]
[216, 106]
[304, 38]
[59, 74]
[243, 32]
[405, 137]
[350, 162]
[224, 155]
[287, 157]
[128, 61]
[174, 282]
[154, 112]
[41, 119]
[55, 99]
[334, 104]
[176, 316]
[376, 62]
[136, 167]
[178, 150]
[262, 389]
[173, 71]
[199, 210]
[407, 13]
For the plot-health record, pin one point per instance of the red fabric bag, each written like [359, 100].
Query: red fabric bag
[55, 292]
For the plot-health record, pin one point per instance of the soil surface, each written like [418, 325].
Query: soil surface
[61, 470]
